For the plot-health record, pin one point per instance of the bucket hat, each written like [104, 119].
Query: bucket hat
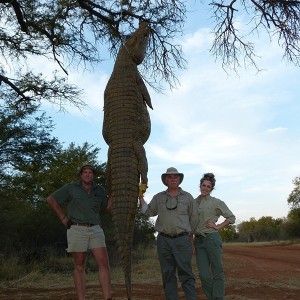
[171, 171]
[87, 166]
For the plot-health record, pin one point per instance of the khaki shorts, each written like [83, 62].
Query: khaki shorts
[82, 238]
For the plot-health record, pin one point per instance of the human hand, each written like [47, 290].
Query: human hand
[211, 224]
[142, 189]
[109, 203]
[69, 224]
[65, 221]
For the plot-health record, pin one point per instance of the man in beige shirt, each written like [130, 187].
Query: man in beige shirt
[176, 218]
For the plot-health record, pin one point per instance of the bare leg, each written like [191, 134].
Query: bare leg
[102, 260]
[79, 259]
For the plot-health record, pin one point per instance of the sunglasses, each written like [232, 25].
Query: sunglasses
[169, 206]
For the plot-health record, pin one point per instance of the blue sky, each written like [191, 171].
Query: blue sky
[243, 128]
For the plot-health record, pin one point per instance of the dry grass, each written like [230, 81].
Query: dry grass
[243, 274]
[142, 271]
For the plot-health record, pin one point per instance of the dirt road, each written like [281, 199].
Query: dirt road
[252, 272]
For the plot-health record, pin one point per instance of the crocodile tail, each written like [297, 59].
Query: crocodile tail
[124, 177]
[124, 228]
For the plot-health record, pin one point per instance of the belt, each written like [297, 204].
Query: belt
[83, 224]
[173, 236]
[204, 235]
[200, 235]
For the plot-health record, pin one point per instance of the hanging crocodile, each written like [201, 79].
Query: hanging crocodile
[126, 128]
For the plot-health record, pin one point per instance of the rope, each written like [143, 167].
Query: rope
[123, 42]
[121, 24]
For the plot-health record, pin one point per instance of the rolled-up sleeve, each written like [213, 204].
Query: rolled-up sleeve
[193, 211]
[226, 212]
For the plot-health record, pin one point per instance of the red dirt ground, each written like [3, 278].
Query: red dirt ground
[252, 272]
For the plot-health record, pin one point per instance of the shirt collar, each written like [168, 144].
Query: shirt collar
[203, 199]
[80, 184]
[180, 191]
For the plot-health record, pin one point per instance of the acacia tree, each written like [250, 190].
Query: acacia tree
[280, 19]
[293, 218]
[292, 225]
[71, 32]
[294, 196]
[24, 139]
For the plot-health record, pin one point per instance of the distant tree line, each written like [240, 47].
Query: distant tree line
[267, 228]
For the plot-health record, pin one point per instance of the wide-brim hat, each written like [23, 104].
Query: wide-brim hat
[171, 171]
[87, 166]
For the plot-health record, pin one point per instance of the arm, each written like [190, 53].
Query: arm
[143, 204]
[57, 209]
[151, 209]
[109, 203]
[211, 224]
[224, 211]
[193, 215]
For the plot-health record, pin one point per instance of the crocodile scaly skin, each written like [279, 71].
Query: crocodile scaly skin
[126, 128]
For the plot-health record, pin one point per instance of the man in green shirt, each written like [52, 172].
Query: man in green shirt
[84, 199]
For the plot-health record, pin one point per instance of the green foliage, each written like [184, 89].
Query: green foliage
[263, 229]
[24, 138]
[294, 197]
[229, 233]
[143, 230]
[292, 226]
[65, 165]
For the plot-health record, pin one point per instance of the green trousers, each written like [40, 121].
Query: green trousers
[176, 255]
[210, 266]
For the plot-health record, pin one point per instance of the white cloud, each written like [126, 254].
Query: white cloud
[277, 130]
[232, 126]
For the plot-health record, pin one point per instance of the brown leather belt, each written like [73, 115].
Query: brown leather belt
[173, 236]
[84, 224]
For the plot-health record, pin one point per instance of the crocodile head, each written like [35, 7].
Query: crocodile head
[137, 43]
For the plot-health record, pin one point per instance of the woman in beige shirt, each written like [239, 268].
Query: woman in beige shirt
[208, 242]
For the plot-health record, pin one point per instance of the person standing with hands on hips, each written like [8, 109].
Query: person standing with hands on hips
[176, 217]
[208, 242]
[84, 199]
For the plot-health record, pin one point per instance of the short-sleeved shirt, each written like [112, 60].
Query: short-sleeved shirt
[211, 208]
[82, 207]
[175, 214]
